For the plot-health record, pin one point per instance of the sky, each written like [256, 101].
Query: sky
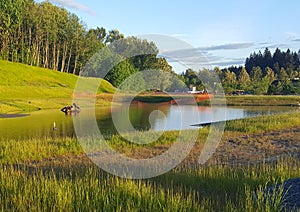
[225, 32]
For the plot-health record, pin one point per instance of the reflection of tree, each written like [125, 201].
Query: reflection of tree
[138, 116]
[140, 113]
[105, 123]
[251, 113]
[260, 112]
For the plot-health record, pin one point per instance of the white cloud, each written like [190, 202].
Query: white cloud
[203, 56]
[291, 36]
[230, 46]
[196, 59]
[74, 5]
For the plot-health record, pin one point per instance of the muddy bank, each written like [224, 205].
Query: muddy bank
[13, 115]
[241, 149]
[258, 147]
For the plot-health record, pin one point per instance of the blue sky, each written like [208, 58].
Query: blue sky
[225, 32]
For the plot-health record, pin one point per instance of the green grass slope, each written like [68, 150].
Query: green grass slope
[26, 88]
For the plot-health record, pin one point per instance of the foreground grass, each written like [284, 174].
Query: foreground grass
[26, 88]
[91, 191]
[76, 187]
[214, 188]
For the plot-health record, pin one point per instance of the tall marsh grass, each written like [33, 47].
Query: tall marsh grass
[207, 188]
[24, 191]
[18, 151]
[264, 123]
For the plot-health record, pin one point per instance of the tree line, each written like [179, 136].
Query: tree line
[262, 74]
[288, 60]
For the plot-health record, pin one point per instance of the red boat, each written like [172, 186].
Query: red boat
[175, 98]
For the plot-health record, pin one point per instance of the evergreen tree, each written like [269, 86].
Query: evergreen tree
[270, 75]
[256, 80]
[229, 82]
[282, 75]
[267, 80]
[244, 79]
[267, 60]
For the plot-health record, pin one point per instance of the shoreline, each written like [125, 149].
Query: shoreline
[15, 115]
[105, 99]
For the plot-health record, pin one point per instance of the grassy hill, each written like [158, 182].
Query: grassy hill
[26, 88]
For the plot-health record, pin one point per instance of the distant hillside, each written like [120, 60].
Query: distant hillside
[24, 87]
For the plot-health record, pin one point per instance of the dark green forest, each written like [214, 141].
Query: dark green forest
[263, 73]
[44, 35]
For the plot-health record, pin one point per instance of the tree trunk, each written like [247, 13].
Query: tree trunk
[57, 57]
[53, 55]
[64, 55]
[69, 58]
[46, 55]
[29, 47]
[75, 63]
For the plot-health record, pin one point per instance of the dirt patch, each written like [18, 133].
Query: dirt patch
[259, 147]
[238, 149]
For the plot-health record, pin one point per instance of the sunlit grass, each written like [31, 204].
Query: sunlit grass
[25, 88]
[214, 188]
[263, 100]
[264, 123]
[21, 190]
[18, 151]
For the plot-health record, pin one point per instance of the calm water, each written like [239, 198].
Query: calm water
[145, 117]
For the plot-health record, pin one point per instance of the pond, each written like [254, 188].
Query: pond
[142, 117]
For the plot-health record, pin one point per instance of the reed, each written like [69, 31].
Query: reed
[207, 188]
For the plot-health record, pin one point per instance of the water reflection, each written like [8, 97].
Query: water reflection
[38, 124]
[142, 117]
